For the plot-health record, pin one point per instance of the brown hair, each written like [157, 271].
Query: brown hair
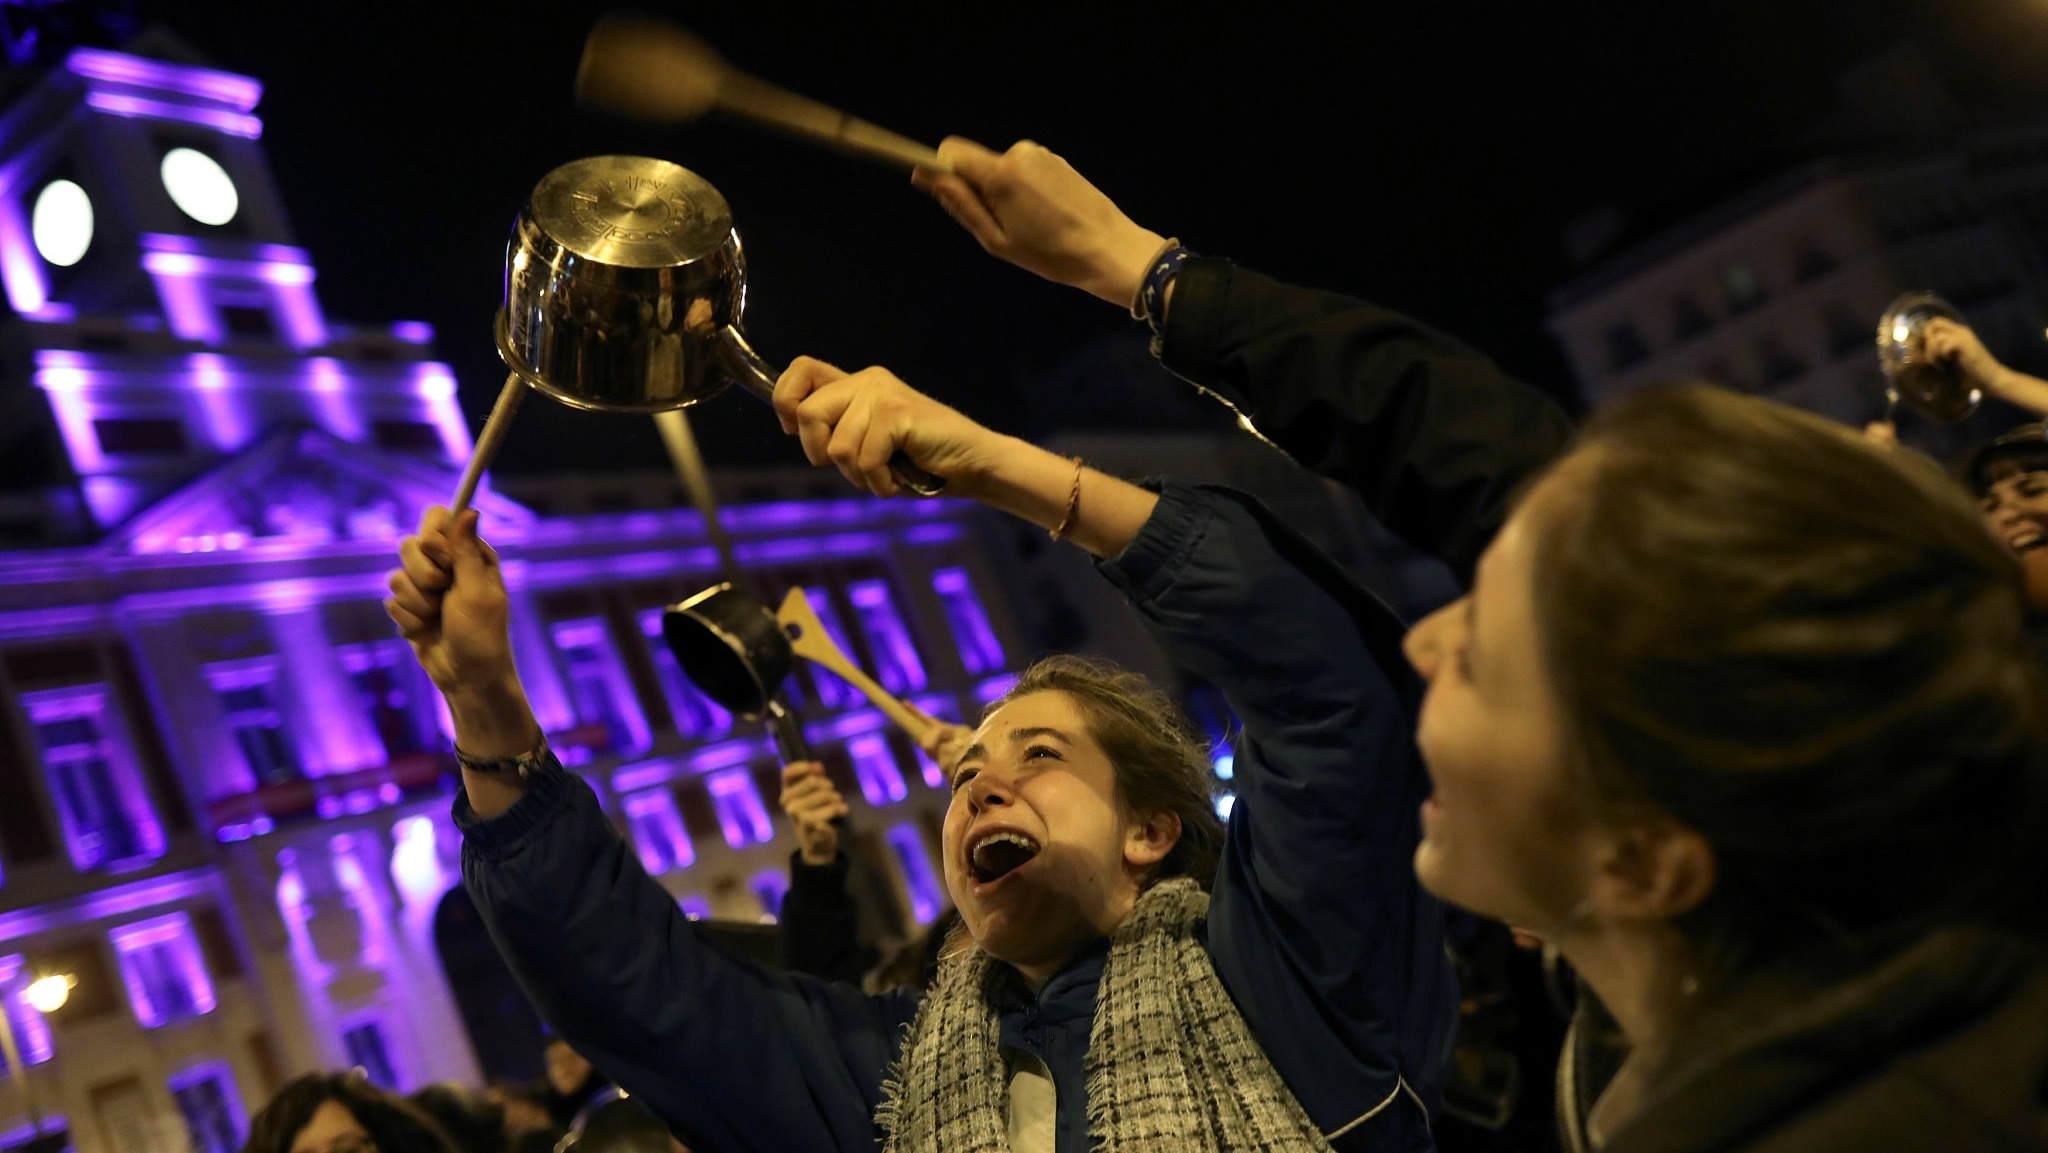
[2013, 453]
[473, 1122]
[394, 1124]
[1160, 763]
[2007, 467]
[1809, 654]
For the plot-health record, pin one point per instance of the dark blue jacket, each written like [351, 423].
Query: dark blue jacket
[1317, 927]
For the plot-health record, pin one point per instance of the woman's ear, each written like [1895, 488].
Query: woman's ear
[1147, 842]
[1654, 869]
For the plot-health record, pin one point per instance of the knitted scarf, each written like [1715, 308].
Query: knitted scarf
[1171, 1063]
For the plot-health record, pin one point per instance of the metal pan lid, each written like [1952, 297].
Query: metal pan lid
[631, 212]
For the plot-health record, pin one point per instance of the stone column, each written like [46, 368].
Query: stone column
[404, 884]
[327, 721]
[197, 732]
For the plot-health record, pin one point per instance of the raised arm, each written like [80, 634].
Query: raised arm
[818, 929]
[1434, 437]
[854, 421]
[731, 1056]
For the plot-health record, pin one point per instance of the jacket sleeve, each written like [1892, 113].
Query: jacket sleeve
[818, 931]
[1317, 925]
[1432, 435]
[728, 1054]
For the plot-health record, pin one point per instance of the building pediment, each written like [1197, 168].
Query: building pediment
[306, 488]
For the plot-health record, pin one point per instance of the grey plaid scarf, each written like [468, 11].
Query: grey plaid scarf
[1171, 1063]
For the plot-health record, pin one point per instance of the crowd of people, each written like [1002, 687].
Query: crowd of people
[573, 1108]
[1740, 716]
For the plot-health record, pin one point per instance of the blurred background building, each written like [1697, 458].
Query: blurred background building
[1776, 289]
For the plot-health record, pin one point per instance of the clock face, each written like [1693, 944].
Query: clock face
[199, 186]
[61, 223]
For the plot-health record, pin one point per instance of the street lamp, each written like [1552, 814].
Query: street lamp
[46, 995]
[49, 994]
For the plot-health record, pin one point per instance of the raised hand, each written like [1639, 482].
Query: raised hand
[857, 421]
[812, 803]
[1031, 208]
[1957, 344]
[448, 599]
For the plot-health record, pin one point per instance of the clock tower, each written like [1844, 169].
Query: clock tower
[164, 318]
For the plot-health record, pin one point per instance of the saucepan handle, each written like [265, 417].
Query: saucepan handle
[757, 376]
[790, 744]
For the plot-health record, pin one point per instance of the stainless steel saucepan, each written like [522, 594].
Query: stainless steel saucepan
[1937, 389]
[624, 288]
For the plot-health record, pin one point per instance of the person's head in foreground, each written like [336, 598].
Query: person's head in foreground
[341, 1113]
[1734, 689]
[1082, 787]
[2009, 476]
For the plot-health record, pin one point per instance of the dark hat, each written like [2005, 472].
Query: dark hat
[2026, 446]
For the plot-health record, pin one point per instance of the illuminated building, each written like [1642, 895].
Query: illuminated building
[224, 785]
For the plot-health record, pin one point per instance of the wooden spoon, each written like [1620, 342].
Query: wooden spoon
[647, 68]
[809, 640]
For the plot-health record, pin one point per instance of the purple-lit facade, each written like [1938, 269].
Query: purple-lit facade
[227, 786]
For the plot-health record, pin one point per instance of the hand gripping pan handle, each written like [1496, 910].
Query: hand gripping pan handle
[758, 377]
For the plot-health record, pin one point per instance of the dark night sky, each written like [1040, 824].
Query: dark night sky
[1424, 155]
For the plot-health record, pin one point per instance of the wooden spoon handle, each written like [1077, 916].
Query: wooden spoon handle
[808, 639]
[772, 106]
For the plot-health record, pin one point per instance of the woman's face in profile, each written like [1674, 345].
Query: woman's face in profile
[1505, 831]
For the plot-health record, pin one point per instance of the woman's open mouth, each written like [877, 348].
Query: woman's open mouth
[998, 853]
